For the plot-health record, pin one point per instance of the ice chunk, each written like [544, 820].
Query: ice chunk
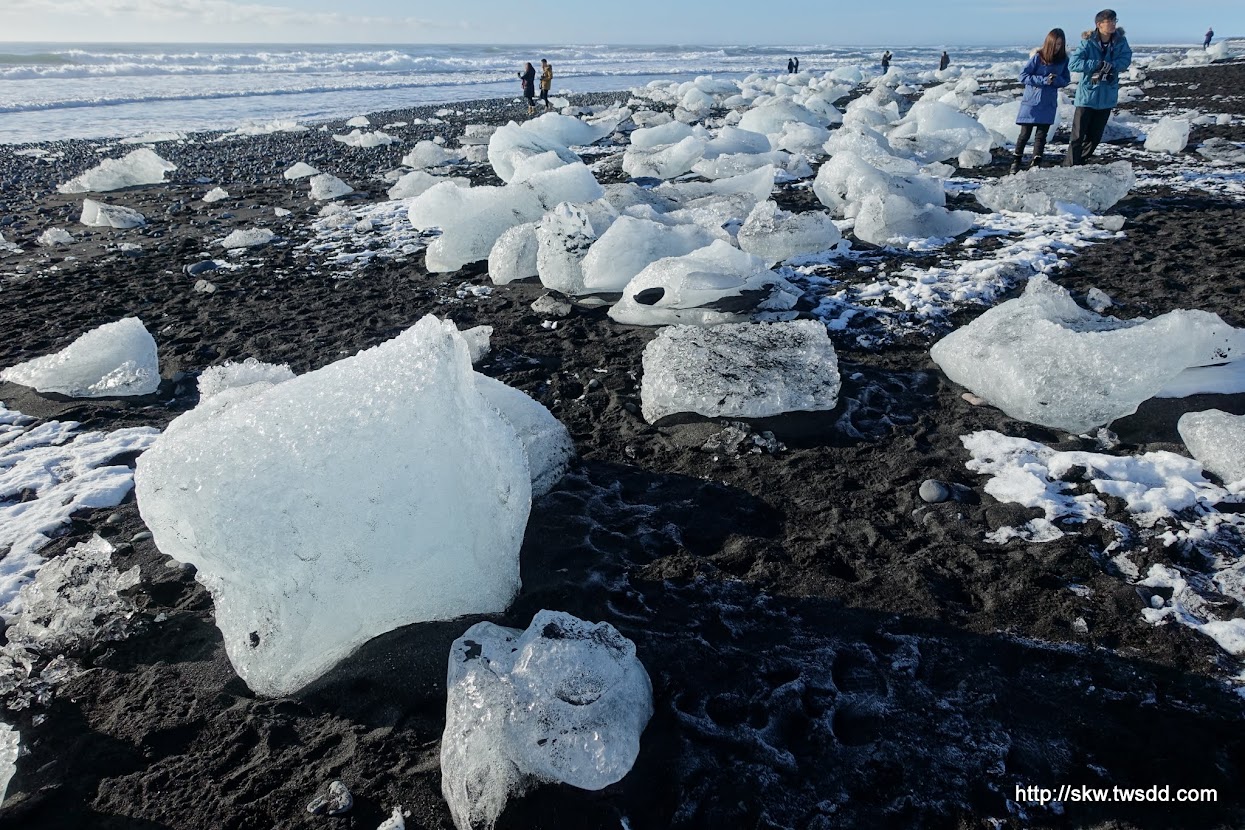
[564, 701]
[248, 238]
[739, 164]
[472, 219]
[1094, 187]
[55, 236]
[511, 144]
[567, 131]
[741, 370]
[359, 121]
[74, 602]
[934, 131]
[300, 170]
[732, 140]
[772, 115]
[417, 181]
[546, 443]
[802, 138]
[563, 236]
[430, 154]
[847, 178]
[893, 220]
[216, 194]
[9, 746]
[630, 245]
[1001, 119]
[513, 256]
[1170, 135]
[775, 235]
[1217, 439]
[116, 359]
[1041, 358]
[303, 570]
[717, 284]
[99, 215]
[756, 185]
[229, 375]
[327, 186]
[358, 138]
[141, 166]
[663, 135]
[664, 162]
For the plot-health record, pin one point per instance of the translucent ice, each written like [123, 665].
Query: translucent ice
[563, 236]
[1217, 439]
[664, 162]
[229, 375]
[630, 245]
[847, 178]
[1042, 358]
[138, 167]
[511, 144]
[663, 135]
[99, 215]
[934, 131]
[55, 236]
[741, 370]
[327, 186]
[116, 359]
[546, 443]
[429, 154]
[358, 138]
[893, 220]
[416, 182]
[567, 131]
[717, 284]
[771, 116]
[1170, 135]
[303, 570]
[1094, 187]
[564, 701]
[472, 219]
[775, 235]
[300, 170]
[9, 745]
[513, 255]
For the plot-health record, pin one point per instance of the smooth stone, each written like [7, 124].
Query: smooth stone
[547, 305]
[934, 492]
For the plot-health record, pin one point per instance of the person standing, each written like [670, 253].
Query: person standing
[528, 78]
[886, 62]
[790, 65]
[1043, 76]
[944, 61]
[1210, 35]
[1103, 54]
[797, 64]
[546, 81]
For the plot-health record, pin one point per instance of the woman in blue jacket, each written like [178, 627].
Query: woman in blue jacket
[1043, 76]
[1102, 56]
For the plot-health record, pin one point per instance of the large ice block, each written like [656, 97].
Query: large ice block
[1095, 187]
[1217, 439]
[114, 360]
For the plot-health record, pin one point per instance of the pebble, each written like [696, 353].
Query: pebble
[973, 399]
[204, 287]
[336, 800]
[548, 305]
[200, 267]
[141, 536]
[934, 492]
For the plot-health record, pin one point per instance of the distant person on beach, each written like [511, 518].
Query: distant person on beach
[1103, 54]
[886, 62]
[1210, 35]
[1043, 76]
[528, 78]
[790, 66]
[944, 62]
[546, 81]
[797, 64]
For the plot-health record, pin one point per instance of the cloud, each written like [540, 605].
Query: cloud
[220, 13]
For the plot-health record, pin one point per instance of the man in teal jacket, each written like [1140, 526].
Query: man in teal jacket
[1103, 54]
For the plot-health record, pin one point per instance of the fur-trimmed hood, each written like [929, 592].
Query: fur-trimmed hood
[1088, 33]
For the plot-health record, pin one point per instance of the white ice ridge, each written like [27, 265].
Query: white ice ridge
[1052, 189]
[564, 701]
[247, 488]
[1217, 439]
[116, 359]
[1042, 358]
[67, 471]
[141, 166]
[740, 370]
[716, 284]
[1165, 493]
[100, 215]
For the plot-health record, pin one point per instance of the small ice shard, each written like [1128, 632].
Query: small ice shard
[359, 121]
[116, 359]
[1170, 135]
[1217, 439]
[564, 701]
[775, 235]
[327, 186]
[358, 138]
[142, 166]
[216, 194]
[99, 215]
[396, 820]
[1098, 300]
[303, 571]
[248, 238]
[300, 170]
[336, 800]
[742, 370]
[55, 236]
[1043, 190]
[1042, 358]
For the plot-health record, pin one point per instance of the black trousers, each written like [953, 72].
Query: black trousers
[1039, 141]
[1087, 128]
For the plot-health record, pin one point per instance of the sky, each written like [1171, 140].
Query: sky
[721, 22]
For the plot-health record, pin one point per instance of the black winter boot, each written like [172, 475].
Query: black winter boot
[1016, 163]
[1035, 162]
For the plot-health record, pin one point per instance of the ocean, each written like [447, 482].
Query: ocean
[56, 91]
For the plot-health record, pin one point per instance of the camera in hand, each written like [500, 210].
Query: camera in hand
[1105, 74]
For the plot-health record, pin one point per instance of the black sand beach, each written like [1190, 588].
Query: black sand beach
[826, 650]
